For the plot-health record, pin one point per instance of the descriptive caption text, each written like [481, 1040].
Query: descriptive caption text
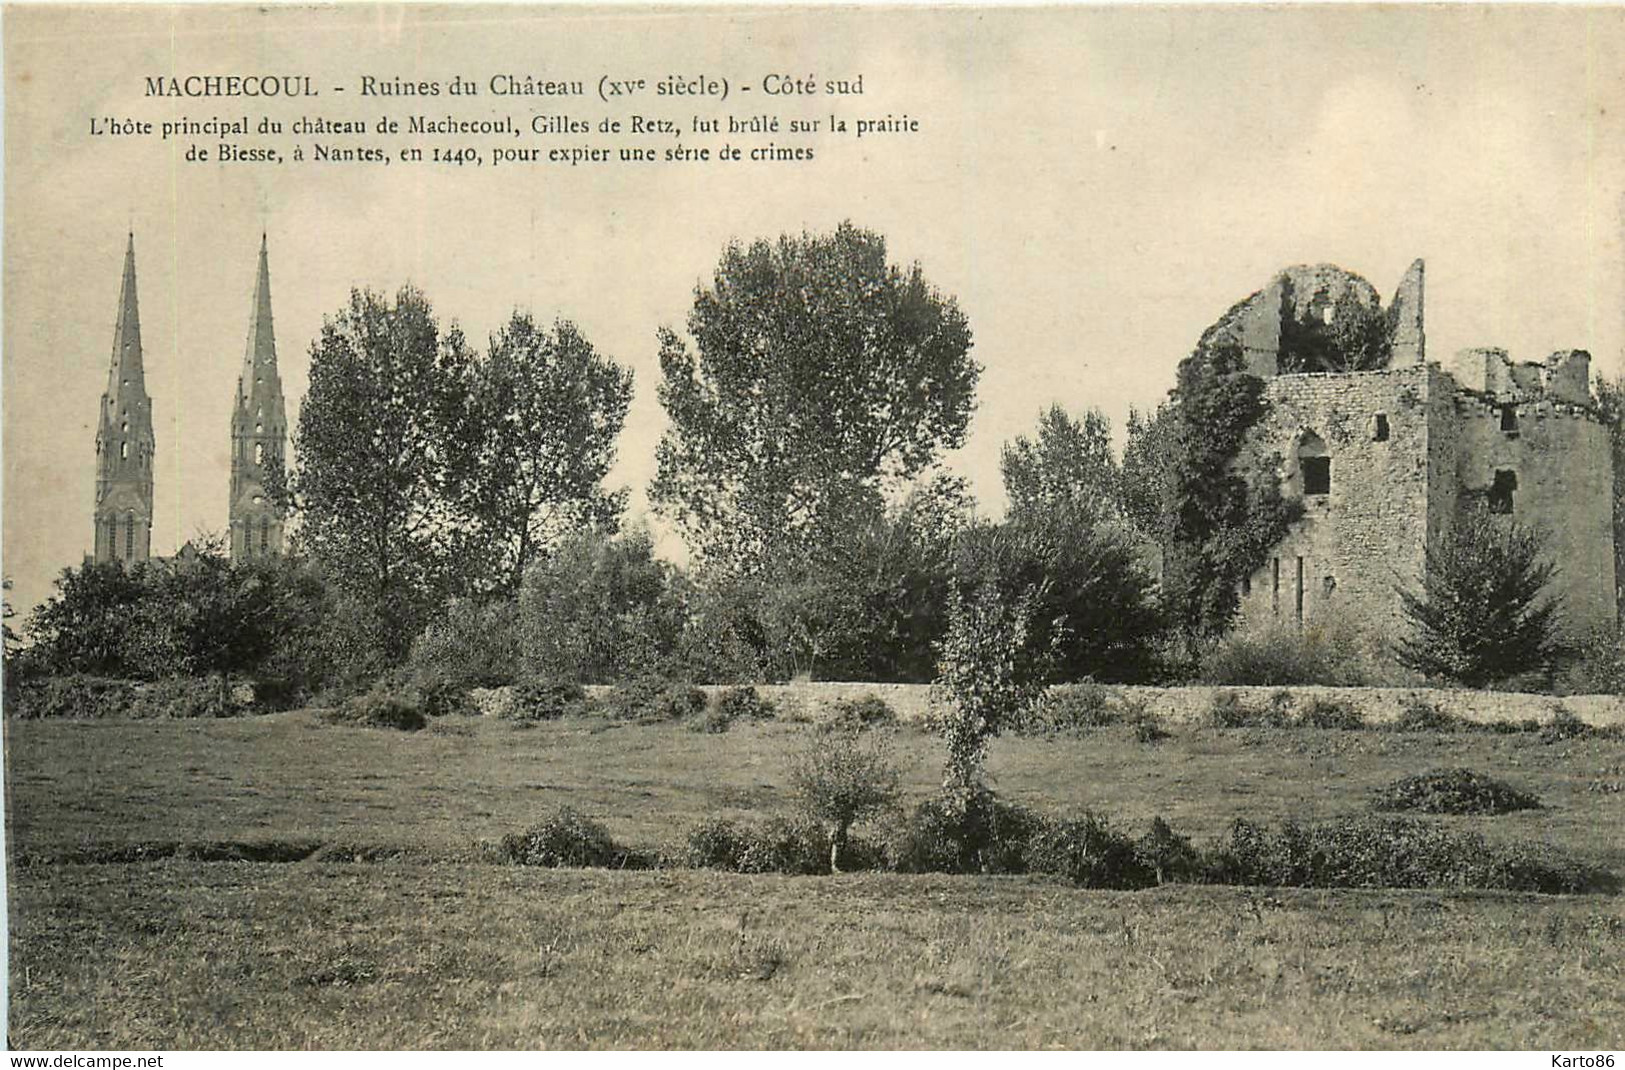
[507, 120]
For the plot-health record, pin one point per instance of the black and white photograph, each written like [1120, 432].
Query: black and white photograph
[763, 527]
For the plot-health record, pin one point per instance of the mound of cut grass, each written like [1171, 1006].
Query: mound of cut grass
[1454, 791]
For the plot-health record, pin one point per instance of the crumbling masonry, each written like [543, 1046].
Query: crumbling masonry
[1386, 459]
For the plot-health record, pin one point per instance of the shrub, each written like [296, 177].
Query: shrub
[1417, 714]
[380, 708]
[717, 843]
[1484, 612]
[713, 720]
[1089, 853]
[988, 679]
[1282, 656]
[545, 700]
[743, 702]
[1453, 791]
[568, 838]
[856, 714]
[777, 845]
[1226, 710]
[78, 696]
[184, 699]
[987, 836]
[1147, 728]
[470, 646]
[841, 779]
[1168, 855]
[1392, 852]
[654, 698]
[1078, 707]
[1565, 726]
[1332, 713]
[1599, 663]
[786, 845]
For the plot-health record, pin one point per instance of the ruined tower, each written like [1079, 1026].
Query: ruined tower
[124, 440]
[259, 428]
[1386, 459]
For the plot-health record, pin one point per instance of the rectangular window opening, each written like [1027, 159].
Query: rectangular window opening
[1317, 475]
[1380, 434]
[1502, 491]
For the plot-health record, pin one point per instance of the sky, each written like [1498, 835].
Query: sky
[1093, 186]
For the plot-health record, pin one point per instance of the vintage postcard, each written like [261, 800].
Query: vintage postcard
[663, 527]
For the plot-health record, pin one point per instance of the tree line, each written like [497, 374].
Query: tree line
[451, 515]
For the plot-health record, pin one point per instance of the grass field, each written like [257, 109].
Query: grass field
[442, 950]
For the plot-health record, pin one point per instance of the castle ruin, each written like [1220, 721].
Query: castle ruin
[1389, 450]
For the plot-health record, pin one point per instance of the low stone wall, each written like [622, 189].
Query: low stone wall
[1188, 704]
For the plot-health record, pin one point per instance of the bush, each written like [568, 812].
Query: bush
[717, 843]
[1168, 855]
[380, 708]
[83, 697]
[1391, 852]
[568, 838]
[1565, 726]
[1417, 714]
[1087, 852]
[1453, 791]
[786, 845]
[1077, 707]
[1327, 656]
[1599, 664]
[1485, 612]
[856, 714]
[1147, 728]
[712, 720]
[777, 845]
[184, 699]
[654, 698]
[1332, 713]
[1226, 710]
[743, 702]
[470, 646]
[990, 836]
[544, 700]
[842, 779]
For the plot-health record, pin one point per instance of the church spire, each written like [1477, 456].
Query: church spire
[258, 429]
[127, 331]
[124, 438]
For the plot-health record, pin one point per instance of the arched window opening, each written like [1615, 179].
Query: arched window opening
[265, 536]
[259, 453]
[1501, 492]
[123, 450]
[129, 537]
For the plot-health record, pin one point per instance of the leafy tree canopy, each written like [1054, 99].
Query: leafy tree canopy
[1067, 462]
[387, 407]
[546, 409]
[822, 372]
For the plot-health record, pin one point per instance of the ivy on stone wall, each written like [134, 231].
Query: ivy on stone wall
[1220, 520]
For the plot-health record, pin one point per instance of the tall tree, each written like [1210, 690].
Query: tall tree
[545, 411]
[823, 372]
[384, 414]
[1067, 462]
